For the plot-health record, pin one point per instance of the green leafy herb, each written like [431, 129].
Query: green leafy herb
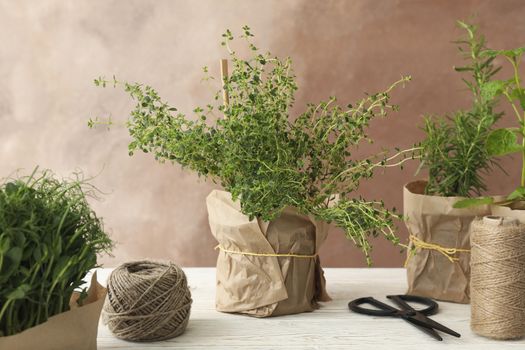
[469, 202]
[502, 141]
[265, 158]
[510, 140]
[49, 240]
[517, 194]
[506, 141]
[454, 151]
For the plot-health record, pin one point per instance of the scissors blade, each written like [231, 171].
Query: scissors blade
[424, 327]
[424, 321]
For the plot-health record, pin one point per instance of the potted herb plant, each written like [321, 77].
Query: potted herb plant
[506, 141]
[284, 178]
[49, 241]
[454, 154]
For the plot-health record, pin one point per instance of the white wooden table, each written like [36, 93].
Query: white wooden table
[333, 326]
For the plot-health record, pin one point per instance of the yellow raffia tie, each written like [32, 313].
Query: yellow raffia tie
[447, 252]
[266, 254]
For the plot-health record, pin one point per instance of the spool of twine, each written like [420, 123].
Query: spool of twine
[497, 286]
[147, 301]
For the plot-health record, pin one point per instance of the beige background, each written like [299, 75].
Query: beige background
[51, 50]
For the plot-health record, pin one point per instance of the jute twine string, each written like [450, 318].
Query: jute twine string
[497, 286]
[279, 255]
[416, 243]
[147, 301]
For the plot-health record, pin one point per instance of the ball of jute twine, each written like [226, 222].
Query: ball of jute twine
[147, 301]
[497, 285]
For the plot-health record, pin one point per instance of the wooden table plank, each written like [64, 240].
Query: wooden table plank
[330, 327]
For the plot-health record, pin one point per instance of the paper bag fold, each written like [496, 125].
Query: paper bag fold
[517, 213]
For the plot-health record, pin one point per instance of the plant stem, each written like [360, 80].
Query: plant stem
[515, 65]
[523, 158]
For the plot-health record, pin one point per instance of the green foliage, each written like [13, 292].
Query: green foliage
[261, 155]
[512, 54]
[49, 240]
[454, 150]
[510, 140]
[517, 194]
[470, 202]
[503, 141]
[492, 89]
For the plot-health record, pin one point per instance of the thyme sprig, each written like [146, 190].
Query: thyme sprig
[263, 157]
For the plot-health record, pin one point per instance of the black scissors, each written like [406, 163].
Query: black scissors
[415, 317]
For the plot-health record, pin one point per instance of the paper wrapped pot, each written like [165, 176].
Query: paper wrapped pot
[259, 283]
[433, 220]
[73, 329]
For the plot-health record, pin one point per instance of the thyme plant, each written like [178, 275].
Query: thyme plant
[49, 240]
[454, 151]
[263, 157]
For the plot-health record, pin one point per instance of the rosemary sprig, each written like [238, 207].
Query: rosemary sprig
[454, 151]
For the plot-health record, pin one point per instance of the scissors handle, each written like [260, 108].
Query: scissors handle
[384, 309]
[402, 302]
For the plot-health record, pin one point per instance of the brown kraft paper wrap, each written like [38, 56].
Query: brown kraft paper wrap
[516, 213]
[432, 219]
[74, 329]
[265, 286]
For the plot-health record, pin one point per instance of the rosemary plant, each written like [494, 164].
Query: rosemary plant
[454, 151]
[263, 157]
[49, 240]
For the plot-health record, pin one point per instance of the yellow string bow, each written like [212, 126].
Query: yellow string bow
[266, 254]
[447, 252]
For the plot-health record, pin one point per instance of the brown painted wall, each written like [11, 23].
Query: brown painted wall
[51, 50]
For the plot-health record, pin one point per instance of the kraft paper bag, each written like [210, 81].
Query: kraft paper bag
[432, 219]
[265, 286]
[74, 329]
[513, 212]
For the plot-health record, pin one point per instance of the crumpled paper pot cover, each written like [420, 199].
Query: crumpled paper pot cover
[268, 285]
[432, 219]
[516, 213]
[75, 329]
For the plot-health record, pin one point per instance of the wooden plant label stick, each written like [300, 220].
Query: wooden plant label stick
[224, 76]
